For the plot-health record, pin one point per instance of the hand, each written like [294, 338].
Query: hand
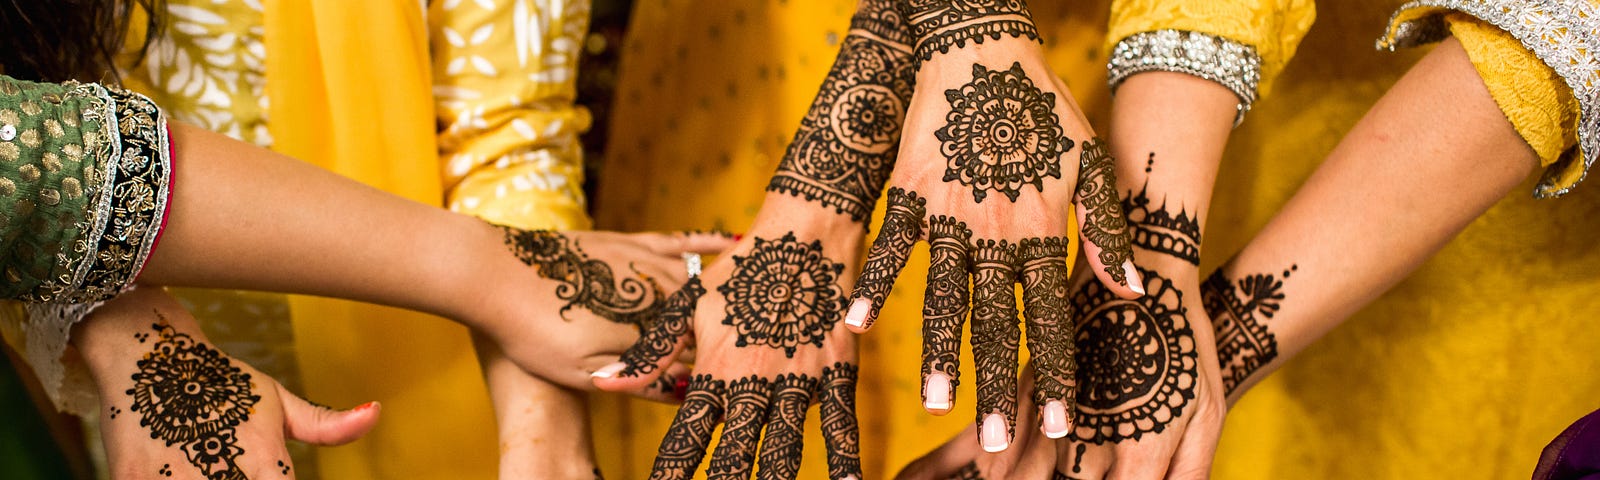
[580, 299]
[175, 406]
[1034, 455]
[768, 344]
[987, 177]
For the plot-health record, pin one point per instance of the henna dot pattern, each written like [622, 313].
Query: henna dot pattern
[189, 394]
[1001, 133]
[783, 294]
[585, 282]
[1137, 362]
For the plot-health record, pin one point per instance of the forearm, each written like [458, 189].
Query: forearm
[1432, 155]
[1168, 131]
[247, 218]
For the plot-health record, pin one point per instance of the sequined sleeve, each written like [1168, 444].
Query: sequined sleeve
[1540, 59]
[1240, 44]
[84, 181]
[505, 77]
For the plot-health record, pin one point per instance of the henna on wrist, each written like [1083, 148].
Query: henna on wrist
[939, 25]
[1157, 228]
[1239, 310]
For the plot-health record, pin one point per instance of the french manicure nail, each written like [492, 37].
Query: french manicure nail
[1134, 282]
[937, 392]
[993, 433]
[1055, 419]
[609, 371]
[857, 316]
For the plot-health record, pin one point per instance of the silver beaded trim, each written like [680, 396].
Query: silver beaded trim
[1560, 32]
[1232, 64]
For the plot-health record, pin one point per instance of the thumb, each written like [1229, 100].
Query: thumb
[324, 426]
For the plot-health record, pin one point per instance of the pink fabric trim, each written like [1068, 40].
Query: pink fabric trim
[172, 182]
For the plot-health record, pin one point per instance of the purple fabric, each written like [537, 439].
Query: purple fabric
[1574, 454]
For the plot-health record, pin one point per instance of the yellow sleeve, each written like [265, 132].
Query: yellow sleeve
[504, 83]
[1272, 28]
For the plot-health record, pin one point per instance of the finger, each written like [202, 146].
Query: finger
[944, 310]
[996, 338]
[1077, 460]
[840, 432]
[1107, 238]
[324, 426]
[657, 347]
[1193, 458]
[705, 243]
[1049, 322]
[735, 456]
[685, 444]
[943, 462]
[902, 226]
[786, 425]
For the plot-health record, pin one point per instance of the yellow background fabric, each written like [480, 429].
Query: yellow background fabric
[1465, 370]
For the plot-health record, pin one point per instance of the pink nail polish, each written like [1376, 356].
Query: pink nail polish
[993, 433]
[857, 316]
[1054, 419]
[936, 393]
[1134, 282]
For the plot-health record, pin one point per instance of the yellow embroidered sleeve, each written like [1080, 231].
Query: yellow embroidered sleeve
[1531, 95]
[504, 82]
[1273, 28]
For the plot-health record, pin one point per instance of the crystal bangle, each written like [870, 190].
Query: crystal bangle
[1234, 65]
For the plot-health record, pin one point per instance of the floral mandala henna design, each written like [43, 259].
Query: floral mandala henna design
[1243, 343]
[1137, 358]
[1044, 287]
[941, 24]
[945, 303]
[585, 282]
[839, 429]
[1104, 225]
[1001, 133]
[190, 394]
[783, 294]
[846, 144]
[658, 342]
[1158, 229]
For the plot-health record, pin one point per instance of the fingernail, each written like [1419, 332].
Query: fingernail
[367, 406]
[857, 316]
[680, 388]
[609, 371]
[993, 433]
[738, 237]
[1134, 282]
[936, 392]
[1055, 419]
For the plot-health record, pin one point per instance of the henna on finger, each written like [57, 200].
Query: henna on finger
[1001, 134]
[996, 333]
[658, 343]
[741, 431]
[783, 294]
[840, 431]
[944, 305]
[585, 282]
[684, 445]
[1104, 225]
[784, 441]
[1049, 322]
[940, 25]
[902, 227]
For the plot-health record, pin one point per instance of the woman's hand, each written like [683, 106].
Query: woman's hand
[765, 324]
[1034, 455]
[995, 157]
[175, 406]
[578, 300]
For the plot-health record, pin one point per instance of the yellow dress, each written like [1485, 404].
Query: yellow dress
[1465, 370]
[468, 104]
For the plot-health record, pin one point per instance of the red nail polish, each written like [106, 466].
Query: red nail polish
[366, 406]
[680, 388]
[738, 237]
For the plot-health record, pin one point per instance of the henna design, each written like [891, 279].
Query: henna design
[1239, 314]
[283, 467]
[784, 441]
[1002, 133]
[839, 429]
[996, 334]
[1103, 224]
[1077, 464]
[190, 394]
[685, 443]
[1137, 358]
[902, 227]
[941, 24]
[846, 145]
[945, 302]
[585, 282]
[1045, 276]
[968, 472]
[1157, 229]
[659, 341]
[746, 414]
[783, 294]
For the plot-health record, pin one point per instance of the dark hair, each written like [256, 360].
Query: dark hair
[59, 40]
